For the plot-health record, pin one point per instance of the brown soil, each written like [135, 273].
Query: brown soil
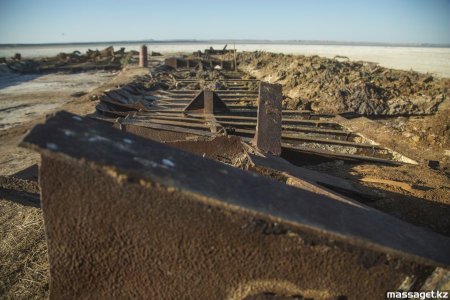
[413, 107]
[334, 86]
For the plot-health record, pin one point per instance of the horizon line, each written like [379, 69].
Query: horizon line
[230, 41]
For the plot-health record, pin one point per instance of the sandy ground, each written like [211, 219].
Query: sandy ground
[24, 103]
[25, 97]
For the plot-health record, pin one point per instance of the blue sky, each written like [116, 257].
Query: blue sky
[392, 21]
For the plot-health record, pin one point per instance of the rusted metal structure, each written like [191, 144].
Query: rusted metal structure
[154, 221]
[211, 51]
[191, 190]
[303, 132]
[268, 125]
[143, 57]
[204, 63]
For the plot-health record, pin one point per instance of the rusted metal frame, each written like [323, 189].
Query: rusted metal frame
[168, 117]
[190, 92]
[323, 133]
[224, 80]
[172, 128]
[340, 155]
[248, 91]
[236, 87]
[182, 63]
[347, 135]
[174, 123]
[292, 207]
[285, 113]
[227, 117]
[162, 114]
[308, 139]
[183, 104]
[123, 106]
[294, 128]
[201, 120]
[230, 86]
[251, 103]
[285, 121]
[175, 96]
[158, 110]
[297, 137]
[239, 98]
[189, 97]
[234, 112]
[226, 73]
[304, 178]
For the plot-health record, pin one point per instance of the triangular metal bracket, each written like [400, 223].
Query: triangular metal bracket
[207, 102]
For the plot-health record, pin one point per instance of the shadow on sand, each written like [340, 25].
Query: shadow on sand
[11, 78]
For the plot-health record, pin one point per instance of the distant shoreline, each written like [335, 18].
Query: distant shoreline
[434, 60]
[229, 42]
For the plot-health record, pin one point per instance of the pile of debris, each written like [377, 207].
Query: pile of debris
[106, 59]
[212, 51]
[333, 86]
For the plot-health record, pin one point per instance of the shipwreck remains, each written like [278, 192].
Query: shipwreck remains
[154, 220]
[186, 184]
[162, 107]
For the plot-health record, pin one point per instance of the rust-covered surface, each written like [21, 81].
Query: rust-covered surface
[130, 217]
[174, 100]
[268, 124]
[203, 63]
[143, 57]
[207, 102]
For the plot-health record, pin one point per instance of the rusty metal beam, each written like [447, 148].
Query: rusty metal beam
[225, 80]
[268, 125]
[85, 140]
[126, 216]
[281, 165]
[129, 217]
[143, 58]
[186, 63]
[190, 92]
[338, 155]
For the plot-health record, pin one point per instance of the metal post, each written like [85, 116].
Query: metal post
[143, 60]
[234, 47]
[268, 124]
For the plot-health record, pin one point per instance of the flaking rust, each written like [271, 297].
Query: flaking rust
[182, 226]
[268, 125]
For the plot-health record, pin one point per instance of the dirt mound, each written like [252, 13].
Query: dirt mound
[333, 86]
